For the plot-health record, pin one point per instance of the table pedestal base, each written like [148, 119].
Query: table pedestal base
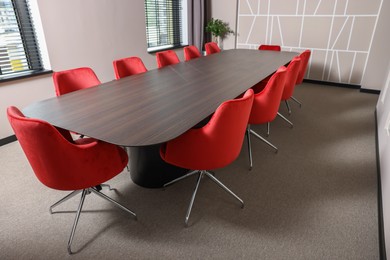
[148, 170]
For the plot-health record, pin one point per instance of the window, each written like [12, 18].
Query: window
[19, 51]
[166, 24]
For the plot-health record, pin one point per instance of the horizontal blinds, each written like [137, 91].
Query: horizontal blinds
[19, 50]
[163, 23]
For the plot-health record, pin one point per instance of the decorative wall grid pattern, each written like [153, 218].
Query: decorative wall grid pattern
[338, 32]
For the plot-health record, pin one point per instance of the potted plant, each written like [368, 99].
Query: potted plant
[218, 30]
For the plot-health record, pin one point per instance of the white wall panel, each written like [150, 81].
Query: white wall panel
[341, 28]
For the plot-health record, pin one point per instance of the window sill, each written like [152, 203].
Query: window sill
[23, 75]
[165, 48]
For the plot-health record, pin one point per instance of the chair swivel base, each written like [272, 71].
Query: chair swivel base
[285, 119]
[202, 173]
[288, 105]
[296, 101]
[95, 190]
[248, 133]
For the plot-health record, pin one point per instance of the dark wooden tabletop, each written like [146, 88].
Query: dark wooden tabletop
[161, 104]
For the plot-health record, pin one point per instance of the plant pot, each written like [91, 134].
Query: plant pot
[219, 41]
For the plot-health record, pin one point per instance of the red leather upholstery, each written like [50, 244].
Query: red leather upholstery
[265, 47]
[165, 58]
[63, 164]
[266, 103]
[74, 79]
[305, 56]
[128, 66]
[191, 52]
[216, 144]
[291, 78]
[211, 48]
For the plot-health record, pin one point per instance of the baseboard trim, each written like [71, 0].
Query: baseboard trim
[334, 84]
[370, 91]
[7, 140]
[343, 85]
[381, 231]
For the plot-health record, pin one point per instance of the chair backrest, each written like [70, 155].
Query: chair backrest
[60, 163]
[191, 52]
[74, 79]
[216, 144]
[291, 77]
[266, 103]
[265, 47]
[305, 56]
[165, 58]
[211, 48]
[128, 66]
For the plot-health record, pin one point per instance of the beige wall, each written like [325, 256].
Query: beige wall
[21, 93]
[226, 10]
[340, 34]
[97, 32]
[379, 57]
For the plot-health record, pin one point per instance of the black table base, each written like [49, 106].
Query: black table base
[148, 170]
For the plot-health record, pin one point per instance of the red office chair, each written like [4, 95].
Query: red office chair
[265, 106]
[74, 79]
[63, 164]
[165, 58]
[211, 48]
[260, 86]
[128, 66]
[291, 78]
[265, 47]
[215, 145]
[67, 81]
[191, 52]
[305, 56]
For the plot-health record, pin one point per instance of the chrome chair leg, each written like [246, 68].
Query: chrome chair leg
[103, 196]
[297, 101]
[264, 140]
[70, 195]
[268, 127]
[225, 188]
[76, 220]
[285, 119]
[180, 178]
[248, 138]
[288, 107]
[201, 173]
[128, 154]
[213, 173]
[84, 193]
[220, 184]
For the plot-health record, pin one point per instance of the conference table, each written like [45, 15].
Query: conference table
[143, 111]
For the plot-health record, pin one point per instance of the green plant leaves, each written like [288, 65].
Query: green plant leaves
[218, 28]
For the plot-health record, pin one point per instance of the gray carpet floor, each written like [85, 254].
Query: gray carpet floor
[315, 199]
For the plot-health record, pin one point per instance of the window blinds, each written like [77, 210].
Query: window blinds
[19, 50]
[163, 24]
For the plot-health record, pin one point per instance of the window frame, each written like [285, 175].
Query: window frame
[177, 31]
[29, 39]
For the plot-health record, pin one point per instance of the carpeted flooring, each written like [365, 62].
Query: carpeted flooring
[315, 199]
